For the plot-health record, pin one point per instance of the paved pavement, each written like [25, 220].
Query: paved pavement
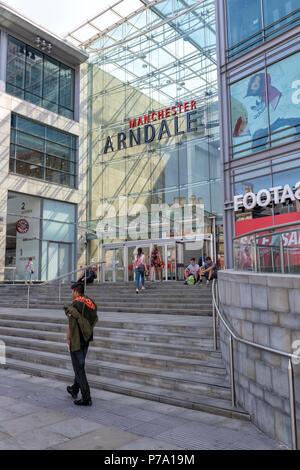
[36, 413]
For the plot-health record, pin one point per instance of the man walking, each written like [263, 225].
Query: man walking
[82, 316]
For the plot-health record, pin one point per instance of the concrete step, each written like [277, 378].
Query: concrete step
[46, 338]
[38, 330]
[50, 323]
[178, 398]
[135, 358]
[145, 310]
[217, 387]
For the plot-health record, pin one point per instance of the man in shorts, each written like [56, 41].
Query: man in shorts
[209, 270]
[193, 269]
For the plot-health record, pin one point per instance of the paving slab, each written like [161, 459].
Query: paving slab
[47, 419]
[106, 438]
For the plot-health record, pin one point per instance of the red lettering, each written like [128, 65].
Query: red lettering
[140, 122]
[146, 119]
[193, 105]
[160, 114]
[174, 112]
[132, 124]
[167, 112]
[152, 117]
[180, 108]
[186, 107]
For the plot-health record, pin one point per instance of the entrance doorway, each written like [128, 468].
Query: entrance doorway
[118, 259]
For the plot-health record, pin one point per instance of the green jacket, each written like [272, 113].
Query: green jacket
[81, 322]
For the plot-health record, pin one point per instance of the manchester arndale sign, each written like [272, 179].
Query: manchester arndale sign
[139, 135]
[278, 195]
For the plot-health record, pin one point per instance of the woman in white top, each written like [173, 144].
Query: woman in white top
[140, 269]
[29, 271]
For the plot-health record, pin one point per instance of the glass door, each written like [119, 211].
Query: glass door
[114, 270]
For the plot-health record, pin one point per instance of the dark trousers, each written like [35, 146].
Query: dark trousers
[80, 382]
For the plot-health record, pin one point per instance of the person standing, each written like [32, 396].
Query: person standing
[29, 271]
[140, 269]
[156, 263]
[82, 317]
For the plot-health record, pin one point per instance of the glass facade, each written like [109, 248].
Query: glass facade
[265, 108]
[42, 229]
[154, 137]
[40, 79]
[42, 152]
[260, 21]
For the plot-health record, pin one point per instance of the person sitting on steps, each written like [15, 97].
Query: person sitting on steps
[209, 270]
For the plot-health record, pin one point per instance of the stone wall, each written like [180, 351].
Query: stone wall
[264, 308]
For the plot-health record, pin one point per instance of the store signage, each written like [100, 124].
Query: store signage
[278, 195]
[135, 136]
[22, 226]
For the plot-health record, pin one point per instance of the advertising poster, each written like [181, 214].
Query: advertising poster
[266, 102]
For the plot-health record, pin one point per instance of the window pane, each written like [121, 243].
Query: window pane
[29, 170]
[58, 150]
[29, 156]
[51, 80]
[275, 10]
[12, 90]
[249, 114]
[34, 72]
[30, 141]
[284, 99]
[33, 99]
[241, 25]
[66, 87]
[290, 176]
[30, 127]
[59, 164]
[15, 73]
[50, 106]
[59, 137]
[66, 112]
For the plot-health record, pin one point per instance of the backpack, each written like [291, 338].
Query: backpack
[139, 262]
[191, 280]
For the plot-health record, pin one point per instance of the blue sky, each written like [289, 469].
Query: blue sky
[59, 16]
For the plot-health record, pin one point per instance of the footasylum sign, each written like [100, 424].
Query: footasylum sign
[278, 195]
[144, 130]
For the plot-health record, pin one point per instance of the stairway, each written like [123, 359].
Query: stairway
[157, 345]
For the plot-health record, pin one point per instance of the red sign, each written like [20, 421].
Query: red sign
[22, 226]
[163, 114]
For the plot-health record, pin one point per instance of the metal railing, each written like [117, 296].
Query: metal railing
[59, 281]
[269, 249]
[217, 315]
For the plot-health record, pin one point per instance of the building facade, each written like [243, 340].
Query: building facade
[259, 89]
[43, 157]
[154, 151]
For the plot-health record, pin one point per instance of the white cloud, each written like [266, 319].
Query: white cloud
[59, 16]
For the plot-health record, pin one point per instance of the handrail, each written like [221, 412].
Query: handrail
[82, 268]
[58, 279]
[239, 339]
[267, 229]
